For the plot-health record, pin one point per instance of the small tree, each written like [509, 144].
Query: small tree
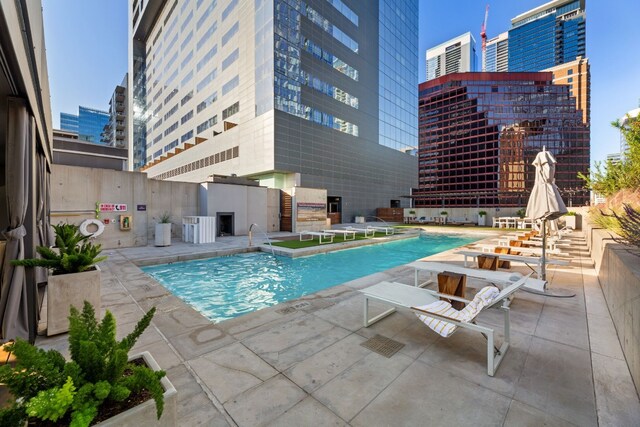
[610, 177]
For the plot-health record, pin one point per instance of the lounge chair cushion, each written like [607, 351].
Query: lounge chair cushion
[483, 298]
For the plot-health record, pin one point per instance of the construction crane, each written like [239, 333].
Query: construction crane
[483, 36]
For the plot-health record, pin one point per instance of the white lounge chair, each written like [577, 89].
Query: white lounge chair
[526, 260]
[529, 251]
[387, 230]
[368, 232]
[346, 234]
[423, 302]
[306, 236]
[501, 279]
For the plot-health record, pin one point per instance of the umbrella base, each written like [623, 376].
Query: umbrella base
[555, 292]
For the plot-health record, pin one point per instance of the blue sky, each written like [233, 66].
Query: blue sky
[87, 51]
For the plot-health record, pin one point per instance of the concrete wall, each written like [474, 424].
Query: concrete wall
[619, 275]
[76, 190]
[249, 205]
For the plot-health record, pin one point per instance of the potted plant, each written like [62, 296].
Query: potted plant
[75, 276]
[98, 382]
[482, 218]
[443, 216]
[521, 213]
[359, 218]
[570, 220]
[163, 230]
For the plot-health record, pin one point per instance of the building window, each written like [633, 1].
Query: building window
[207, 56]
[207, 124]
[233, 56]
[229, 34]
[230, 111]
[208, 101]
[229, 9]
[230, 85]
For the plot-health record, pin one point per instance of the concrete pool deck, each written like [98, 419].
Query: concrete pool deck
[301, 363]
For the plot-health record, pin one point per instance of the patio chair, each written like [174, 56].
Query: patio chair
[441, 317]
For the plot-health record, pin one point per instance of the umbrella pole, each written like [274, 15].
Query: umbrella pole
[543, 269]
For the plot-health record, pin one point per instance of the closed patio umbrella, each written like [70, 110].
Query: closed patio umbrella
[545, 203]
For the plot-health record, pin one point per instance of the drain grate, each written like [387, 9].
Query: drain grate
[300, 305]
[382, 345]
[286, 310]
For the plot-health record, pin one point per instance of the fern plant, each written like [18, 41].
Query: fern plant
[74, 253]
[49, 389]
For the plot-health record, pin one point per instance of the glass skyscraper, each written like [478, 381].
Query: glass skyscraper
[88, 124]
[549, 35]
[91, 123]
[69, 122]
[479, 133]
[315, 93]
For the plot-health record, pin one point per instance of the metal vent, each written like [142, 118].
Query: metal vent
[383, 345]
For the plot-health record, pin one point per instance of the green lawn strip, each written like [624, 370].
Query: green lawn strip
[297, 244]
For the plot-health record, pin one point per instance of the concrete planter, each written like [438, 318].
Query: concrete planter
[482, 220]
[66, 290]
[145, 413]
[163, 234]
[570, 221]
[443, 219]
[359, 220]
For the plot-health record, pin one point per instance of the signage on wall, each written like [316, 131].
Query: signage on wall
[113, 207]
[141, 207]
[311, 211]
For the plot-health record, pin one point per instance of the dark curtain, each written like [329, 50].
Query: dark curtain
[13, 287]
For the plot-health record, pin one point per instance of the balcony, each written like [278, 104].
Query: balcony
[120, 106]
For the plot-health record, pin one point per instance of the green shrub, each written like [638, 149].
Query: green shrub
[628, 226]
[482, 213]
[521, 213]
[570, 213]
[74, 253]
[611, 177]
[47, 387]
[444, 213]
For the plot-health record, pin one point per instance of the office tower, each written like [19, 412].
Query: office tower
[457, 55]
[497, 55]
[114, 132]
[576, 74]
[479, 133]
[317, 94]
[90, 124]
[549, 35]
[69, 122]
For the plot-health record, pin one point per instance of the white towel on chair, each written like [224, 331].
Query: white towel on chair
[483, 298]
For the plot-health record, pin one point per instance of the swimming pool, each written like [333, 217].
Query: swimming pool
[226, 287]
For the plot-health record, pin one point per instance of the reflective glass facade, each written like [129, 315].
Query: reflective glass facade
[91, 123]
[398, 94]
[549, 37]
[479, 133]
[69, 122]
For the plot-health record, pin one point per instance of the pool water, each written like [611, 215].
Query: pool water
[226, 287]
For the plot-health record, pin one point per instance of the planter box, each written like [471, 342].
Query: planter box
[482, 220]
[66, 290]
[145, 413]
[570, 221]
[163, 234]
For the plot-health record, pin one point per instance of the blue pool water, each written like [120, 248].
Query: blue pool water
[225, 287]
